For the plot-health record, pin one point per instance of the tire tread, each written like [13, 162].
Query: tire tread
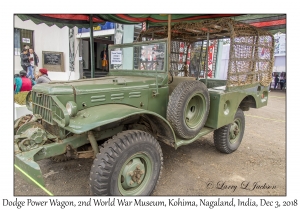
[221, 136]
[176, 106]
[104, 161]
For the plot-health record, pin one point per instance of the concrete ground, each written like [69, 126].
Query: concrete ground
[258, 167]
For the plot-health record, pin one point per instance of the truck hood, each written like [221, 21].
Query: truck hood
[86, 86]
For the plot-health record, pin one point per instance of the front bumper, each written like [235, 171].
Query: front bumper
[26, 164]
[28, 168]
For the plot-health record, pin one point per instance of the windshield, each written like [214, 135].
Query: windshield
[147, 57]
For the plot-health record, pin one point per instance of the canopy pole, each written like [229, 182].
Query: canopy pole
[169, 42]
[206, 69]
[92, 47]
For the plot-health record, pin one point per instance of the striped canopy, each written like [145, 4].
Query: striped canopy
[271, 22]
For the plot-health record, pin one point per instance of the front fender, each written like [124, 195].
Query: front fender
[96, 116]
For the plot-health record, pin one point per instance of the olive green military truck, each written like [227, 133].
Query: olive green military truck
[147, 98]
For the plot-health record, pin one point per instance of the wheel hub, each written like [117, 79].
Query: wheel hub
[133, 174]
[193, 113]
[234, 131]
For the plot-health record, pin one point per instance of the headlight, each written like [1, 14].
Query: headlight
[71, 107]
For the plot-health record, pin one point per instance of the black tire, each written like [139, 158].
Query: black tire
[112, 165]
[181, 105]
[227, 139]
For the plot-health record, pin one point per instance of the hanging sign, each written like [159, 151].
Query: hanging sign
[116, 57]
[280, 40]
[25, 40]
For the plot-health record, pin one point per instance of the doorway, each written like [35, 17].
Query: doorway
[99, 45]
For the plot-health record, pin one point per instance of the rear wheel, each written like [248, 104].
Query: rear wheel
[128, 164]
[229, 137]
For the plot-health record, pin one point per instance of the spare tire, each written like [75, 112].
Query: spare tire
[188, 108]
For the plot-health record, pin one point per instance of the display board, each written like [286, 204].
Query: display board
[53, 61]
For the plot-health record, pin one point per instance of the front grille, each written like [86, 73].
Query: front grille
[53, 129]
[42, 105]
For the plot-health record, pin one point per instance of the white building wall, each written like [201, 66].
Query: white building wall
[223, 60]
[279, 64]
[49, 39]
[128, 52]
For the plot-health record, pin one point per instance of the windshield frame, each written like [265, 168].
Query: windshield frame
[138, 44]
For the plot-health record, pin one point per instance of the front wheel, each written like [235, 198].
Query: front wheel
[128, 164]
[229, 137]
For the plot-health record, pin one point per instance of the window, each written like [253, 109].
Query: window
[22, 37]
[140, 57]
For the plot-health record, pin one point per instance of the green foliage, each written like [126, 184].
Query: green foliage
[20, 98]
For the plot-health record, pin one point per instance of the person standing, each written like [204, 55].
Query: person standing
[30, 68]
[42, 76]
[25, 60]
[34, 61]
[25, 46]
[276, 81]
[103, 56]
[26, 83]
[282, 83]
